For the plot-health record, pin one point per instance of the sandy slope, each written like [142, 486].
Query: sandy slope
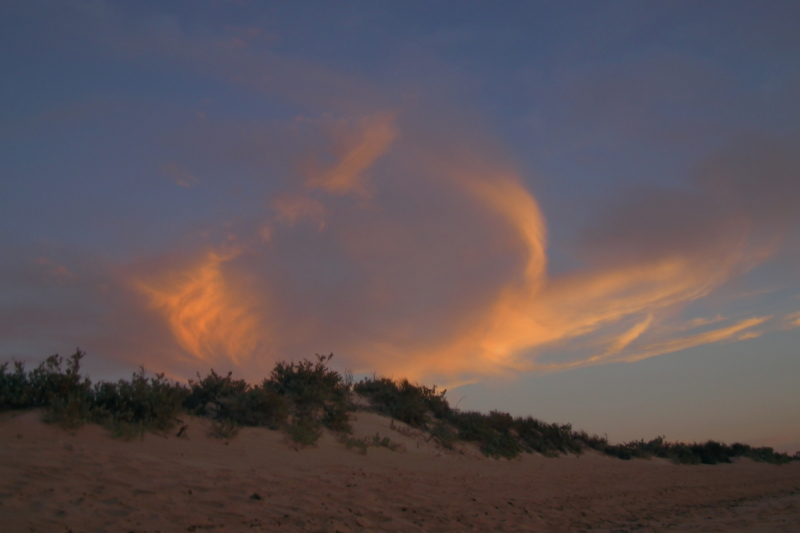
[53, 481]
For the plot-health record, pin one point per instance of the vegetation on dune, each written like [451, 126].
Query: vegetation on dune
[306, 397]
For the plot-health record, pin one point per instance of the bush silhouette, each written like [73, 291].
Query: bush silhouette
[305, 397]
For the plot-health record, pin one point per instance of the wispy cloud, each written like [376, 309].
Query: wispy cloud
[792, 319]
[179, 175]
[717, 335]
[208, 318]
[622, 341]
[355, 153]
[293, 208]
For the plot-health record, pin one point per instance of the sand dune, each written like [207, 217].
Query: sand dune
[51, 480]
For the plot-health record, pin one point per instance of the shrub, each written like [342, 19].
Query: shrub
[149, 403]
[405, 402]
[15, 390]
[315, 391]
[257, 406]
[304, 430]
[70, 413]
[212, 389]
[548, 439]
[710, 452]
[46, 384]
[62, 391]
[492, 432]
[444, 435]
[48, 381]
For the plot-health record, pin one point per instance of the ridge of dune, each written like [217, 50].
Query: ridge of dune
[53, 480]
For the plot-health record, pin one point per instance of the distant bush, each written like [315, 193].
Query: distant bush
[412, 404]
[498, 434]
[710, 452]
[492, 432]
[548, 439]
[225, 398]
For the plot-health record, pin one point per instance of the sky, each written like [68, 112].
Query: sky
[587, 212]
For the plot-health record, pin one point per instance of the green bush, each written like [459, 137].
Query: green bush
[256, 406]
[315, 391]
[548, 439]
[15, 390]
[710, 452]
[225, 398]
[71, 412]
[405, 402]
[46, 384]
[150, 404]
[62, 391]
[211, 390]
[492, 432]
[304, 430]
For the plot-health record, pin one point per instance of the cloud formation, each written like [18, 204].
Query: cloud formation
[442, 270]
[398, 234]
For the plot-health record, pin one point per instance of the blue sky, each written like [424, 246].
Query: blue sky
[583, 211]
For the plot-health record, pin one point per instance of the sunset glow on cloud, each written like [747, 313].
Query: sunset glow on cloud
[517, 316]
[470, 198]
[204, 315]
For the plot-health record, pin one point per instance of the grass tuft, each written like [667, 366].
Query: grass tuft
[375, 441]
[304, 430]
[224, 429]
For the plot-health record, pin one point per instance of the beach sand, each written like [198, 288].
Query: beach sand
[55, 481]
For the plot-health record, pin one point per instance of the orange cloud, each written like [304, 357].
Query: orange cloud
[207, 318]
[708, 337]
[534, 311]
[293, 208]
[792, 320]
[622, 341]
[356, 152]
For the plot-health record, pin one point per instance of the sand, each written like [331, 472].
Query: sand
[54, 481]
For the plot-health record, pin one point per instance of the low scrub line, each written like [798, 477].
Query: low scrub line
[304, 398]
